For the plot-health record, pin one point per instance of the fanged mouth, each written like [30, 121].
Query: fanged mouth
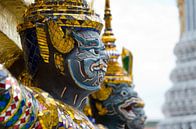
[127, 108]
[99, 79]
[97, 67]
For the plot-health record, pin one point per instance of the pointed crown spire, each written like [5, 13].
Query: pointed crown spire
[115, 72]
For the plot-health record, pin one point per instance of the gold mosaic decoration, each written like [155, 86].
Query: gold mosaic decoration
[101, 110]
[59, 62]
[72, 13]
[49, 117]
[103, 93]
[63, 42]
[26, 79]
[42, 41]
[87, 110]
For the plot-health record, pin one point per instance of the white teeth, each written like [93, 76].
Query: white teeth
[92, 67]
[129, 114]
[98, 68]
[92, 50]
[104, 69]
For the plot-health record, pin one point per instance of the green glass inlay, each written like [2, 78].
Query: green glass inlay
[4, 100]
[30, 122]
[17, 115]
[125, 61]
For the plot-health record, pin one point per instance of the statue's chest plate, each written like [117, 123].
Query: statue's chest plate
[72, 118]
[53, 114]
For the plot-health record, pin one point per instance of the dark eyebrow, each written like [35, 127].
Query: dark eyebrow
[94, 42]
[91, 42]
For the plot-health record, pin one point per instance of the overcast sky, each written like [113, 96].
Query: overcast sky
[150, 29]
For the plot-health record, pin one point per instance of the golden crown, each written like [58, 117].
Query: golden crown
[71, 13]
[56, 15]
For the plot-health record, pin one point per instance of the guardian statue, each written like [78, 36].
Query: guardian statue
[64, 62]
[116, 105]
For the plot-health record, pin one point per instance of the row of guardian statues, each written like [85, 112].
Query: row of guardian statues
[66, 76]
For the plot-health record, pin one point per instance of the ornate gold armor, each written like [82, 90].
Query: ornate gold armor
[64, 59]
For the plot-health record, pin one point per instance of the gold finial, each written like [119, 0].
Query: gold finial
[108, 35]
[115, 73]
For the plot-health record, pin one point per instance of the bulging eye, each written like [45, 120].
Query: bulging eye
[94, 44]
[97, 51]
[92, 51]
[124, 93]
[105, 60]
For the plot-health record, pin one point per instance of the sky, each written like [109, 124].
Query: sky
[150, 29]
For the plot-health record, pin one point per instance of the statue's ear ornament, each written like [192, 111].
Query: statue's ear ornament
[127, 61]
[42, 41]
[61, 40]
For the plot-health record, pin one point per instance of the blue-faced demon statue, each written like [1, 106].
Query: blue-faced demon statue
[64, 61]
[117, 105]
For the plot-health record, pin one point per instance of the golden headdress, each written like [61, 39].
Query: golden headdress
[71, 13]
[57, 14]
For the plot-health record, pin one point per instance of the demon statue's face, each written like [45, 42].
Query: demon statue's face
[68, 63]
[122, 102]
[87, 63]
[123, 106]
